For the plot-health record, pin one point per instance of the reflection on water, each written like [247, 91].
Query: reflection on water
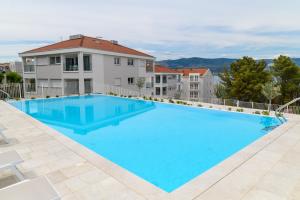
[84, 114]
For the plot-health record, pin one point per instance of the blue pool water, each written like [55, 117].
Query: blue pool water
[165, 144]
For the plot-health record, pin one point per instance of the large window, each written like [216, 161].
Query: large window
[71, 86]
[30, 85]
[130, 81]
[164, 90]
[71, 63]
[55, 60]
[194, 78]
[194, 86]
[117, 60]
[88, 86]
[157, 79]
[87, 63]
[193, 95]
[157, 91]
[164, 79]
[130, 62]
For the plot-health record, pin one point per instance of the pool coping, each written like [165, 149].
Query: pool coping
[191, 189]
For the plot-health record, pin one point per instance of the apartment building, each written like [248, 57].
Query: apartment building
[197, 83]
[167, 82]
[85, 65]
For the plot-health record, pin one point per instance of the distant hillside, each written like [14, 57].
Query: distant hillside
[214, 64]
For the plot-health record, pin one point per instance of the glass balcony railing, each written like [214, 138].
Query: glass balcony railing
[70, 68]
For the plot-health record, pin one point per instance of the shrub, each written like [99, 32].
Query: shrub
[155, 99]
[32, 97]
[171, 101]
[47, 96]
[199, 105]
[239, 110]
[162, 100]
[229, 109]
[265, 112]
[57, 95]
[129, 96]
[256, 112]
[210, 106]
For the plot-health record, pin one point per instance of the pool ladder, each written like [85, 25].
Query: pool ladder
[7, 95]
[278, 111]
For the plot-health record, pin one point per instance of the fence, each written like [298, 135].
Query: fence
[29, 90]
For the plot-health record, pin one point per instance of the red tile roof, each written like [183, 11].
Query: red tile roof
[163, 69]
[90, 43]
[188, 71]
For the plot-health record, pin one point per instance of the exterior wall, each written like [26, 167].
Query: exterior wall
[103, 72]
[205, 86]
[173, 85]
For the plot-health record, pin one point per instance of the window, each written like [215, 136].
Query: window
[29, 84]
[71, 63]
[88, 86]
[87, 63]
[157, 91]
[164, 90]
[117, 82]
[193, 94]
[157, 79]
[130, 62]
[71, 86]
[130, 81]
[117, 61]
[149, 66]
[194, 86]
[164, 79]
[54, 60]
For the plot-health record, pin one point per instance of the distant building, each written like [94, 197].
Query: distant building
[4, 67]
[86, 65]
[167, 82]
[198, 83]
[16, 66]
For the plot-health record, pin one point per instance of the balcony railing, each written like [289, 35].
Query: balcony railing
[70, 68]
[29, 68]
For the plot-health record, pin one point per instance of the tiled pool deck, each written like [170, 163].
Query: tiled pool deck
[267, 169]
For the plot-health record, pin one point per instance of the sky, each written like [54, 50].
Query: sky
[166, 29]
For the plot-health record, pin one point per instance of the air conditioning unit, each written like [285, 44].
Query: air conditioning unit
[75, 36]
[114, 41]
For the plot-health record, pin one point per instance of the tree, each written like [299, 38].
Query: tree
[220, 91]
[244, 79]
[140, 83]
[1, 77]
[287, 74]
[270, 91]
[13, 77]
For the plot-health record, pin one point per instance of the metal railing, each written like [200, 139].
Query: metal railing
[285, 106]
[29, 90]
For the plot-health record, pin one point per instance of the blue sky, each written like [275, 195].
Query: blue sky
[167, 29]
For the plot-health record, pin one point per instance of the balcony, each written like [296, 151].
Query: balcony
[29, 68]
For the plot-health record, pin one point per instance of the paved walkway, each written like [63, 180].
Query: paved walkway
[272, 173]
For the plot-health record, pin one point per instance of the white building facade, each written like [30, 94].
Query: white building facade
[167, 82]
[83, 65]
[197, 84]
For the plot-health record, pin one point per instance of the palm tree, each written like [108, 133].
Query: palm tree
[270, 92]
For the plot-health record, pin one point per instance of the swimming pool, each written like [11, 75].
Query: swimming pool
[166, 145]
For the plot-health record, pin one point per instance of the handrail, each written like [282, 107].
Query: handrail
[278, 110]
[8, 96]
